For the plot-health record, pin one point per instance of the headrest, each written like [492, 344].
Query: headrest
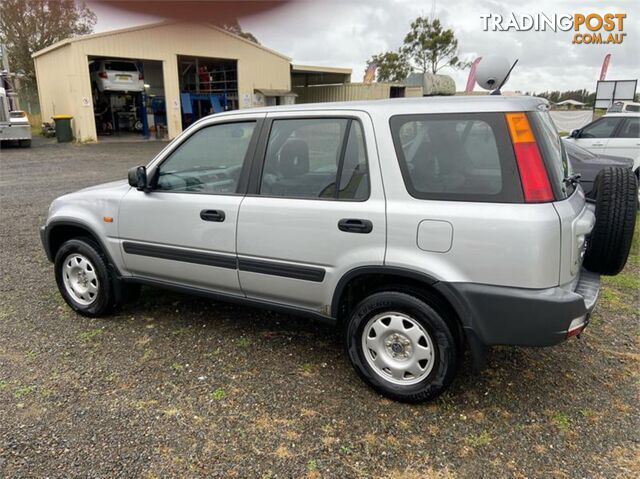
[294, 159]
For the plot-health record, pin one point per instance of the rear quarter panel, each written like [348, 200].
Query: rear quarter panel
[515, 245]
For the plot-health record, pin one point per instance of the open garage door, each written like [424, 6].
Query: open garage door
[207, 86]
[128, 98]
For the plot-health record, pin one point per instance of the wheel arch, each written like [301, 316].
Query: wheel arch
[362, 281]
[58, 231]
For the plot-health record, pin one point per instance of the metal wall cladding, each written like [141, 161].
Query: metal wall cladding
[65, 87]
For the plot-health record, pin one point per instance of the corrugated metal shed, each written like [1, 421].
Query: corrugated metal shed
[353, 91]
[64, 83]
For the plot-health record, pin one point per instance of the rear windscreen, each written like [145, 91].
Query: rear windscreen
[120, 66]
[466, 157]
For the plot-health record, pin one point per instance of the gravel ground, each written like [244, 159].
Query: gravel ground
[180, 386]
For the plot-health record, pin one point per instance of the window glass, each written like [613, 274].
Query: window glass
[121, 66]
[631, 128]
[210, 161]
[449, 157]
[354, 177]
[303, 156]
[554, 153]
[602, 128]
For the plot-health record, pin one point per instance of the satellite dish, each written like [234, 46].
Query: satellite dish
[493, 72]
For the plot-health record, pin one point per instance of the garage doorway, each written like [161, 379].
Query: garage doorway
[207, 86]
[128, 98]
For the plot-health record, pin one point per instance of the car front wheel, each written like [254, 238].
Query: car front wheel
[401, 346]
[83, 277]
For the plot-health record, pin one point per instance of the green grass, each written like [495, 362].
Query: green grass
[244, 342]
[91, 334]
[23, 391]
[312, 465]
[345, 449]
[623, 280]
[217, 395]
[478, 440]
[561, 421]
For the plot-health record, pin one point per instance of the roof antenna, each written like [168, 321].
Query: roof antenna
[497, 90]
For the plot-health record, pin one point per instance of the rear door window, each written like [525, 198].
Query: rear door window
[466, 157]
[307, 158]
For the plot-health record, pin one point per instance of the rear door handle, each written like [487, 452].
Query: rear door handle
[352, 225]
[212, 215]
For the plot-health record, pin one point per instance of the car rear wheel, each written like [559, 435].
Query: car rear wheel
[83, 277]
[401, 346]
[616, 197]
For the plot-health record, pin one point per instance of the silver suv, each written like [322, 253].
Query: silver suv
[420, 227]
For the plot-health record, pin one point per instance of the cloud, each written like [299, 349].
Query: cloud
[348, 33]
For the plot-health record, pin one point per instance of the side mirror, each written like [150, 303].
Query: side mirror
[138, 177]
[575, 133]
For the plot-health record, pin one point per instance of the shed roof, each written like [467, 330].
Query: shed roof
[571, 102]
[68, 41]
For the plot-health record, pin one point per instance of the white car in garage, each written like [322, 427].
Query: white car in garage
[116, 75]
[616, 134]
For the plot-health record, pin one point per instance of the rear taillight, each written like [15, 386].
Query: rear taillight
[140, 76]
[533, 174]
[103, 75]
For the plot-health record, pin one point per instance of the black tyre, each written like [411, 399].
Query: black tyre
[401, 346]
[83, 277]
[616, 191]
[24, 143]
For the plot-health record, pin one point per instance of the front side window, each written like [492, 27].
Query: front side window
[602, 128]
[209, 161]
[456, 156]
[307, 158]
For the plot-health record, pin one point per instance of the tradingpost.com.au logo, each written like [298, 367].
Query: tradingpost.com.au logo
[590, 29]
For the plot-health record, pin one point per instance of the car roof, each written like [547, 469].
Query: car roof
[398, 106]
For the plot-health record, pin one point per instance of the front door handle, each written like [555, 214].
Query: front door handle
[212, 215]
[352, 225]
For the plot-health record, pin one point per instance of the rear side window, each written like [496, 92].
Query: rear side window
[631, 128]
[553, 152]
[307, 158]
[465, 157]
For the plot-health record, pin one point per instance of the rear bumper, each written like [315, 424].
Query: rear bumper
[527, 317]
[15, 132]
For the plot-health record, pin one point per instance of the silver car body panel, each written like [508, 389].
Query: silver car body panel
[528, 246]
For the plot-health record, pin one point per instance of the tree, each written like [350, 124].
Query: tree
[427, 48]
[29, 26]
[234, 27]
[430, 47]
[391, 66]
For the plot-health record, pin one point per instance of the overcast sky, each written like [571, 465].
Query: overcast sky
[346, 33]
